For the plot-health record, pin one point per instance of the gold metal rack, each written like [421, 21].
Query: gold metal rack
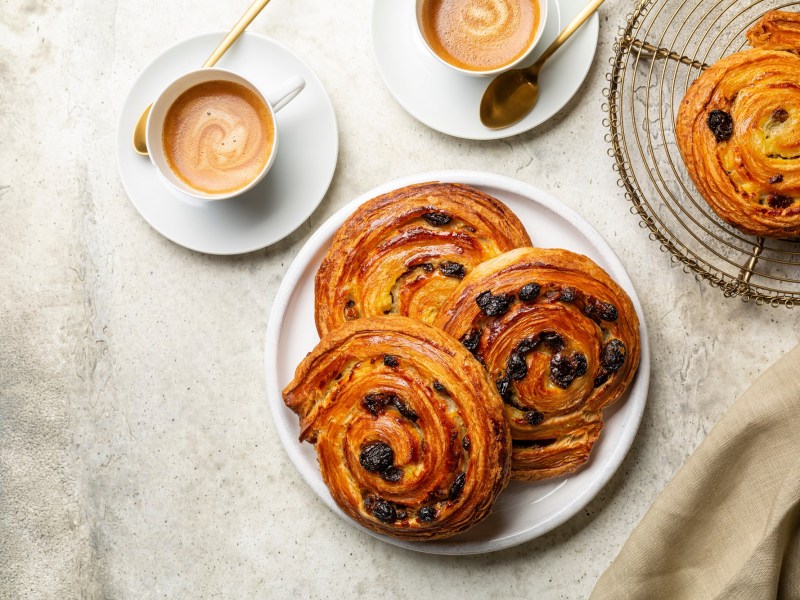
[661, 50]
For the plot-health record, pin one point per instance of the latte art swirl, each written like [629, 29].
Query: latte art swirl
[224, 142]
[480, 35]
[489, 18]
[218, 136]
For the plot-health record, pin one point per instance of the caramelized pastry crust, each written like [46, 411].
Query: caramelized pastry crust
[406, 251]
[559, 338]
[409, 431]
[776, 30]
[738, 130]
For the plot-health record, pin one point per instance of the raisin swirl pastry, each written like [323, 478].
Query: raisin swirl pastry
[410, 433]
[776, 30]
[561, 340]
[404, 252]
[738, 131]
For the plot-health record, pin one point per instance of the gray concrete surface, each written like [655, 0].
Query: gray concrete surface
[137, 456]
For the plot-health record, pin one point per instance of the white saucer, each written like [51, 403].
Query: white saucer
[448, 101]
[293, 188]
[524, 510]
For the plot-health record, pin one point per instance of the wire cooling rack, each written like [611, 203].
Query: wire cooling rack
[661, 50]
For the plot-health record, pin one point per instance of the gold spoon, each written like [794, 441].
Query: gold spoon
[513, 94]
[139, 139]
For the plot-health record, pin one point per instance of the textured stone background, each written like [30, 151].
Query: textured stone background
[137, 457]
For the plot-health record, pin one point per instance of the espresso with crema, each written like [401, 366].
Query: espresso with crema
[218, 136]
[480, 35]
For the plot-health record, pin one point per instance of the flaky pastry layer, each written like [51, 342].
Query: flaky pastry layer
[559, 338]
[404, 252]
[738, 130]
[409, 431]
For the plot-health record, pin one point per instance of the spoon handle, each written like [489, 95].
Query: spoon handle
[237, 30]
[565, 34]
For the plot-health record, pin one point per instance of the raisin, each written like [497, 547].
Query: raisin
[721, 125]
[598, 310]
[384, 511]
[437, 219]
[527, 345]
[427, 267]
[494, 306]
[471, 340]
[402, 514]
[440, 388]
[601, 378]
[609, 312]
[776, 179]
[552, 340]
[350, 311]
[392, 474]
[375, 403]
[581, 365]
[404, 409]
[376, 457]
[780, 115]
[779, 201]
[452, 269]
[426, 514]
[568, 294]
[565, 369]
[529, 292]
[613, 356]
[534, 417]
[458, 486]
[504, 388]
[465, 443]
[517, 367]
[390, 360]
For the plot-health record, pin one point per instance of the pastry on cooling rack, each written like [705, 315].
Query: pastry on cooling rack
[776, 30]
[559, 338]
[409, 431]
[738, 130]
[404, 252]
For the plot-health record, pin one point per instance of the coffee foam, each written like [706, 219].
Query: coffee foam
[218, 136]
[480, 35]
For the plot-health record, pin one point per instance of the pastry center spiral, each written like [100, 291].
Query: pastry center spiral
[480, 34]
[218, 136]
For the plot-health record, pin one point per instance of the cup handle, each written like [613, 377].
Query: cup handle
[285, 92]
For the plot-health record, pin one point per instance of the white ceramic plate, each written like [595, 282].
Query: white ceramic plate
[524, 510]
[448, 101]
[295, 185]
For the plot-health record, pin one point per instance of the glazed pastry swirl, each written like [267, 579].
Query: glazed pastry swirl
[776, 30]
[559, 338]
[738, 130]
[406, 251]
[409, 431]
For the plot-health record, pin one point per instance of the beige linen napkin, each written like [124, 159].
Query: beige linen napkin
[726, 527]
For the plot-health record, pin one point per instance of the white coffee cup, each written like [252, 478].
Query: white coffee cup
[542, 5]
[274, 99]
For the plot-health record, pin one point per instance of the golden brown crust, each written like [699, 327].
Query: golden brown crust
[404, 252]
[776, 30]
[395, 381]
[750, 173]
[561, 340]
